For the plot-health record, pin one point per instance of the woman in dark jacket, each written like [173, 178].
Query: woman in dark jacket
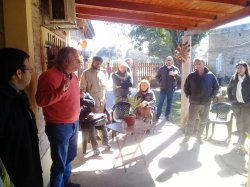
[122, 82]
[239, 95]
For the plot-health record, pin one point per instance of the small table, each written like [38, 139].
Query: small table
[139, 129]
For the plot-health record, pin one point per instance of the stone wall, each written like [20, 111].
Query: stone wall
[231, 44]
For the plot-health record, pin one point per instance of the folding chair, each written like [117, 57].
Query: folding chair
[117, 114]
[222, 116]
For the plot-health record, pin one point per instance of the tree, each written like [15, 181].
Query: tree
[161, 42]
[110, 53]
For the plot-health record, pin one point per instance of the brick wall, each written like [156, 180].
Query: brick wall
[36, 22]
[233, 43]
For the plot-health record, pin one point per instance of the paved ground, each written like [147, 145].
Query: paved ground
[212, 164]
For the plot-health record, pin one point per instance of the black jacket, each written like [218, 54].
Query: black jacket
[87, 103]
[123, 81]
[167, 82]
[19, 142]
[201, 89]
[231, 90]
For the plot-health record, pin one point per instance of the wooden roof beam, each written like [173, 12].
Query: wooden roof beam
[133, 22]
[137, 16]
[220, 21]
[243, 3]
[146, 8]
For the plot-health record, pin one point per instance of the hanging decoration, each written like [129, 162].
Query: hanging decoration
[182, 52]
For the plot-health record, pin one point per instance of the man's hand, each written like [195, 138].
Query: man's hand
[65, 85]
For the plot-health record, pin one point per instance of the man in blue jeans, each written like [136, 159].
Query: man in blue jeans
[167, 76]
[58, 93]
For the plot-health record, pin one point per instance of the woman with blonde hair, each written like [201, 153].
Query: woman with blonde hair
[147, 97]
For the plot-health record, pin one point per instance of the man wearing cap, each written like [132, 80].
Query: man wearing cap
[200, 87]
[239, 95]
[167, 76]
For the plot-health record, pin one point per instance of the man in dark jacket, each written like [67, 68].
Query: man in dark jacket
[19, 142]
[167, 77]
[200, 87]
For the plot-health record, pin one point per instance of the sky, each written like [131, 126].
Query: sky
[110, 35]
[237, 22]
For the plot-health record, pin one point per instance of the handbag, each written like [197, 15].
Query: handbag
[97, 120]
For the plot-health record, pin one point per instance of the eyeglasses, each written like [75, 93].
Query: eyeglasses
[168, 60]
[28, 69]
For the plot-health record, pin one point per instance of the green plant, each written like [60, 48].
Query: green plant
[134, 103]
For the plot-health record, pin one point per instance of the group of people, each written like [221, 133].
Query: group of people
[63, 100]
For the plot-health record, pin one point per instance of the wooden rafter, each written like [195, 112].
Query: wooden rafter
[227, 19]
[232, 2]
[189, 15]
[135, 22]
[140, 7]
[140, 17]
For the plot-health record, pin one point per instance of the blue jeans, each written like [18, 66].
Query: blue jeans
[162, 96]
[63, 144]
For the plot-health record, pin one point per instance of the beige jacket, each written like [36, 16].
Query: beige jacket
[94, 82]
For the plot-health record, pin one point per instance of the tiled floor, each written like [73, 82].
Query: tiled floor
[212, 164]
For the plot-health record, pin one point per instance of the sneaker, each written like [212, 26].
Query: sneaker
[167, 118]
[156, 119]
[107, 147]
[185, 140]
[71, 184]
[199, 140]
[96, 152]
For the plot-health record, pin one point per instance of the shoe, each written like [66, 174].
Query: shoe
[71, 184]
[107, 147]
[96, 152]
[156, 119]
[199, 140]
[185, 140]
[167, 118]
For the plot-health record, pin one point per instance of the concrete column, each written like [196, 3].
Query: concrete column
[186, 69]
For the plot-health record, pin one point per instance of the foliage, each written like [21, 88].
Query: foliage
[161, 42]
[110, 53]
[134, 103]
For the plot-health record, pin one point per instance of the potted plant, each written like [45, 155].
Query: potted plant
[134, 103]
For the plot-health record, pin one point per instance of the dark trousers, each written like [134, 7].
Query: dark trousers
[242, 115]
[197, 112]
[162, 96]
[63, 144]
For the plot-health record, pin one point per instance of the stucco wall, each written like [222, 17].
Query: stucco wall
[233, 43]
[1, 25]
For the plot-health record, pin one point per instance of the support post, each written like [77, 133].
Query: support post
[186, 69]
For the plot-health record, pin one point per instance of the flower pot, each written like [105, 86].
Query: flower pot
[130, 119]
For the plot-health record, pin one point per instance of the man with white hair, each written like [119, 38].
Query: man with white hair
[200, 87]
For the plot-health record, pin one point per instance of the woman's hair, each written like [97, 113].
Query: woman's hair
[143, 81]
[244, 64]
[64, 53]
[11, 60]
